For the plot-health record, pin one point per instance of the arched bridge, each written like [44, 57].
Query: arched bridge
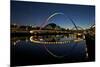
[56, 31]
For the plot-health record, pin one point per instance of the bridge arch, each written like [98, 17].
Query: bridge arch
[46, 22]
[55, 14]
[78, 27]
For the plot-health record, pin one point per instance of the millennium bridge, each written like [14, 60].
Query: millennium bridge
[77, 31]
[87, 35]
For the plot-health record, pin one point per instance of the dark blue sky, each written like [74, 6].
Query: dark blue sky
[30, 13]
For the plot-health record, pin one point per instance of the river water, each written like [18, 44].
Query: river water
[47, 49]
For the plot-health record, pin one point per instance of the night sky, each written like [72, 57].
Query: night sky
[34, 13]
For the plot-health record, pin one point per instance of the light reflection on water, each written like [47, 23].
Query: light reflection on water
[69, 50]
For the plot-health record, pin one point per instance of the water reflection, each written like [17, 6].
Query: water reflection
[55, 39]
[51, 48]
